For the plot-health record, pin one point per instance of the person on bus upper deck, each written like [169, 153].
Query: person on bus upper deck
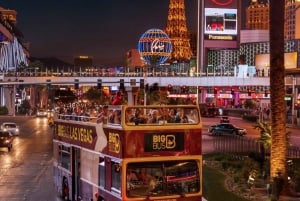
[172, 115]
[164, 115]
[128, 115]
[103, 115]
[138, 117]
[115, 117]
[153, 118]
[118, 100]
[181, 117]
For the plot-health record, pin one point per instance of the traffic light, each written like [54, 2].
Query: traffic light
[154, 87]
[122, 84]
[76, 84]
[215, 90]
[21, 86]
[249, 92]
[170, 87]
[48, 84]
[99, 84]
[183, 89]
[142, 84]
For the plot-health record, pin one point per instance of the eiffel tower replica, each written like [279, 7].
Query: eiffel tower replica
[178, 33]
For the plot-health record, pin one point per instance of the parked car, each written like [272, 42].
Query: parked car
[12, 127]
[224, 119]
[41, 113]
[6, 139]
[226, 128]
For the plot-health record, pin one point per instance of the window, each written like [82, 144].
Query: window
[161, 179]
[101, 172]
[116, 177]
[64, 157]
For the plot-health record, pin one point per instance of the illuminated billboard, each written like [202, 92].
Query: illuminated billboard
[263, 60]
[220, 23]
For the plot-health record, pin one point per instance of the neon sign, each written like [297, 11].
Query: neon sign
[157, 46]
[222, 2]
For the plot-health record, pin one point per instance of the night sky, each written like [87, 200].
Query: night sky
[103, 29]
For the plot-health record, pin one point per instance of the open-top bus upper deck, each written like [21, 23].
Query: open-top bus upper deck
[132, 131]
[134, 153]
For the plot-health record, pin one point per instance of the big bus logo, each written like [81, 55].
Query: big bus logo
[164, 142]
[114, 142]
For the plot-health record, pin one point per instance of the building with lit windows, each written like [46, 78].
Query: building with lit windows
[292, 20]
[257, 15]
[83, 62]
[133, 60]
[7, 14]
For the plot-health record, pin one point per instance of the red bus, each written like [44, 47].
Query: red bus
[148, 153]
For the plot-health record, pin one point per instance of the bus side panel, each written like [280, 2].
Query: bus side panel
[86, 190]
[114, 146]
[89, 172]
[62, 182]
[135, 142]
[62, 178]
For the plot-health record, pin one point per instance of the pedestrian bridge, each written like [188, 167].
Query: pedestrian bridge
[205, 81]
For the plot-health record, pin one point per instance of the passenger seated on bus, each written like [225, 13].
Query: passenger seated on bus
[181, 117]
[84, 115]
[164, 115]
[153, 117]
[138, 117]
[128, 115]
[115, 117]
[103, 115]
[172, 115]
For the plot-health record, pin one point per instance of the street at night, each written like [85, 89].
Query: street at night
[26, 171]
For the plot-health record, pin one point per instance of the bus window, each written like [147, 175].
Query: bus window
[101, 172]
[163, 179]
[115, 177]
[64, 156]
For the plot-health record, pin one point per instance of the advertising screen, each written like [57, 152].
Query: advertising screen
[220, 21]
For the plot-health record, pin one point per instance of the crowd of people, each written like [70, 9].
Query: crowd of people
[112, 114]
[156, 116]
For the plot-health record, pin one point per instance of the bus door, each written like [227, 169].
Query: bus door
[75, 173]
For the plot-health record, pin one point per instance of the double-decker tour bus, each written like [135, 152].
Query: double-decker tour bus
[137, 153]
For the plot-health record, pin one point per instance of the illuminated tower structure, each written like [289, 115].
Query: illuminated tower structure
[178, 33]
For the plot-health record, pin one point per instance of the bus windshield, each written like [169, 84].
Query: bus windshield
[163, 178]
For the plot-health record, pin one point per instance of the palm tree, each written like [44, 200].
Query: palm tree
[277, 90]
[265, 129]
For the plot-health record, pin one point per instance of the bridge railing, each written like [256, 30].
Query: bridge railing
[123, 74]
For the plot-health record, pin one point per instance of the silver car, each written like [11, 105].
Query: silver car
[12, 127]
